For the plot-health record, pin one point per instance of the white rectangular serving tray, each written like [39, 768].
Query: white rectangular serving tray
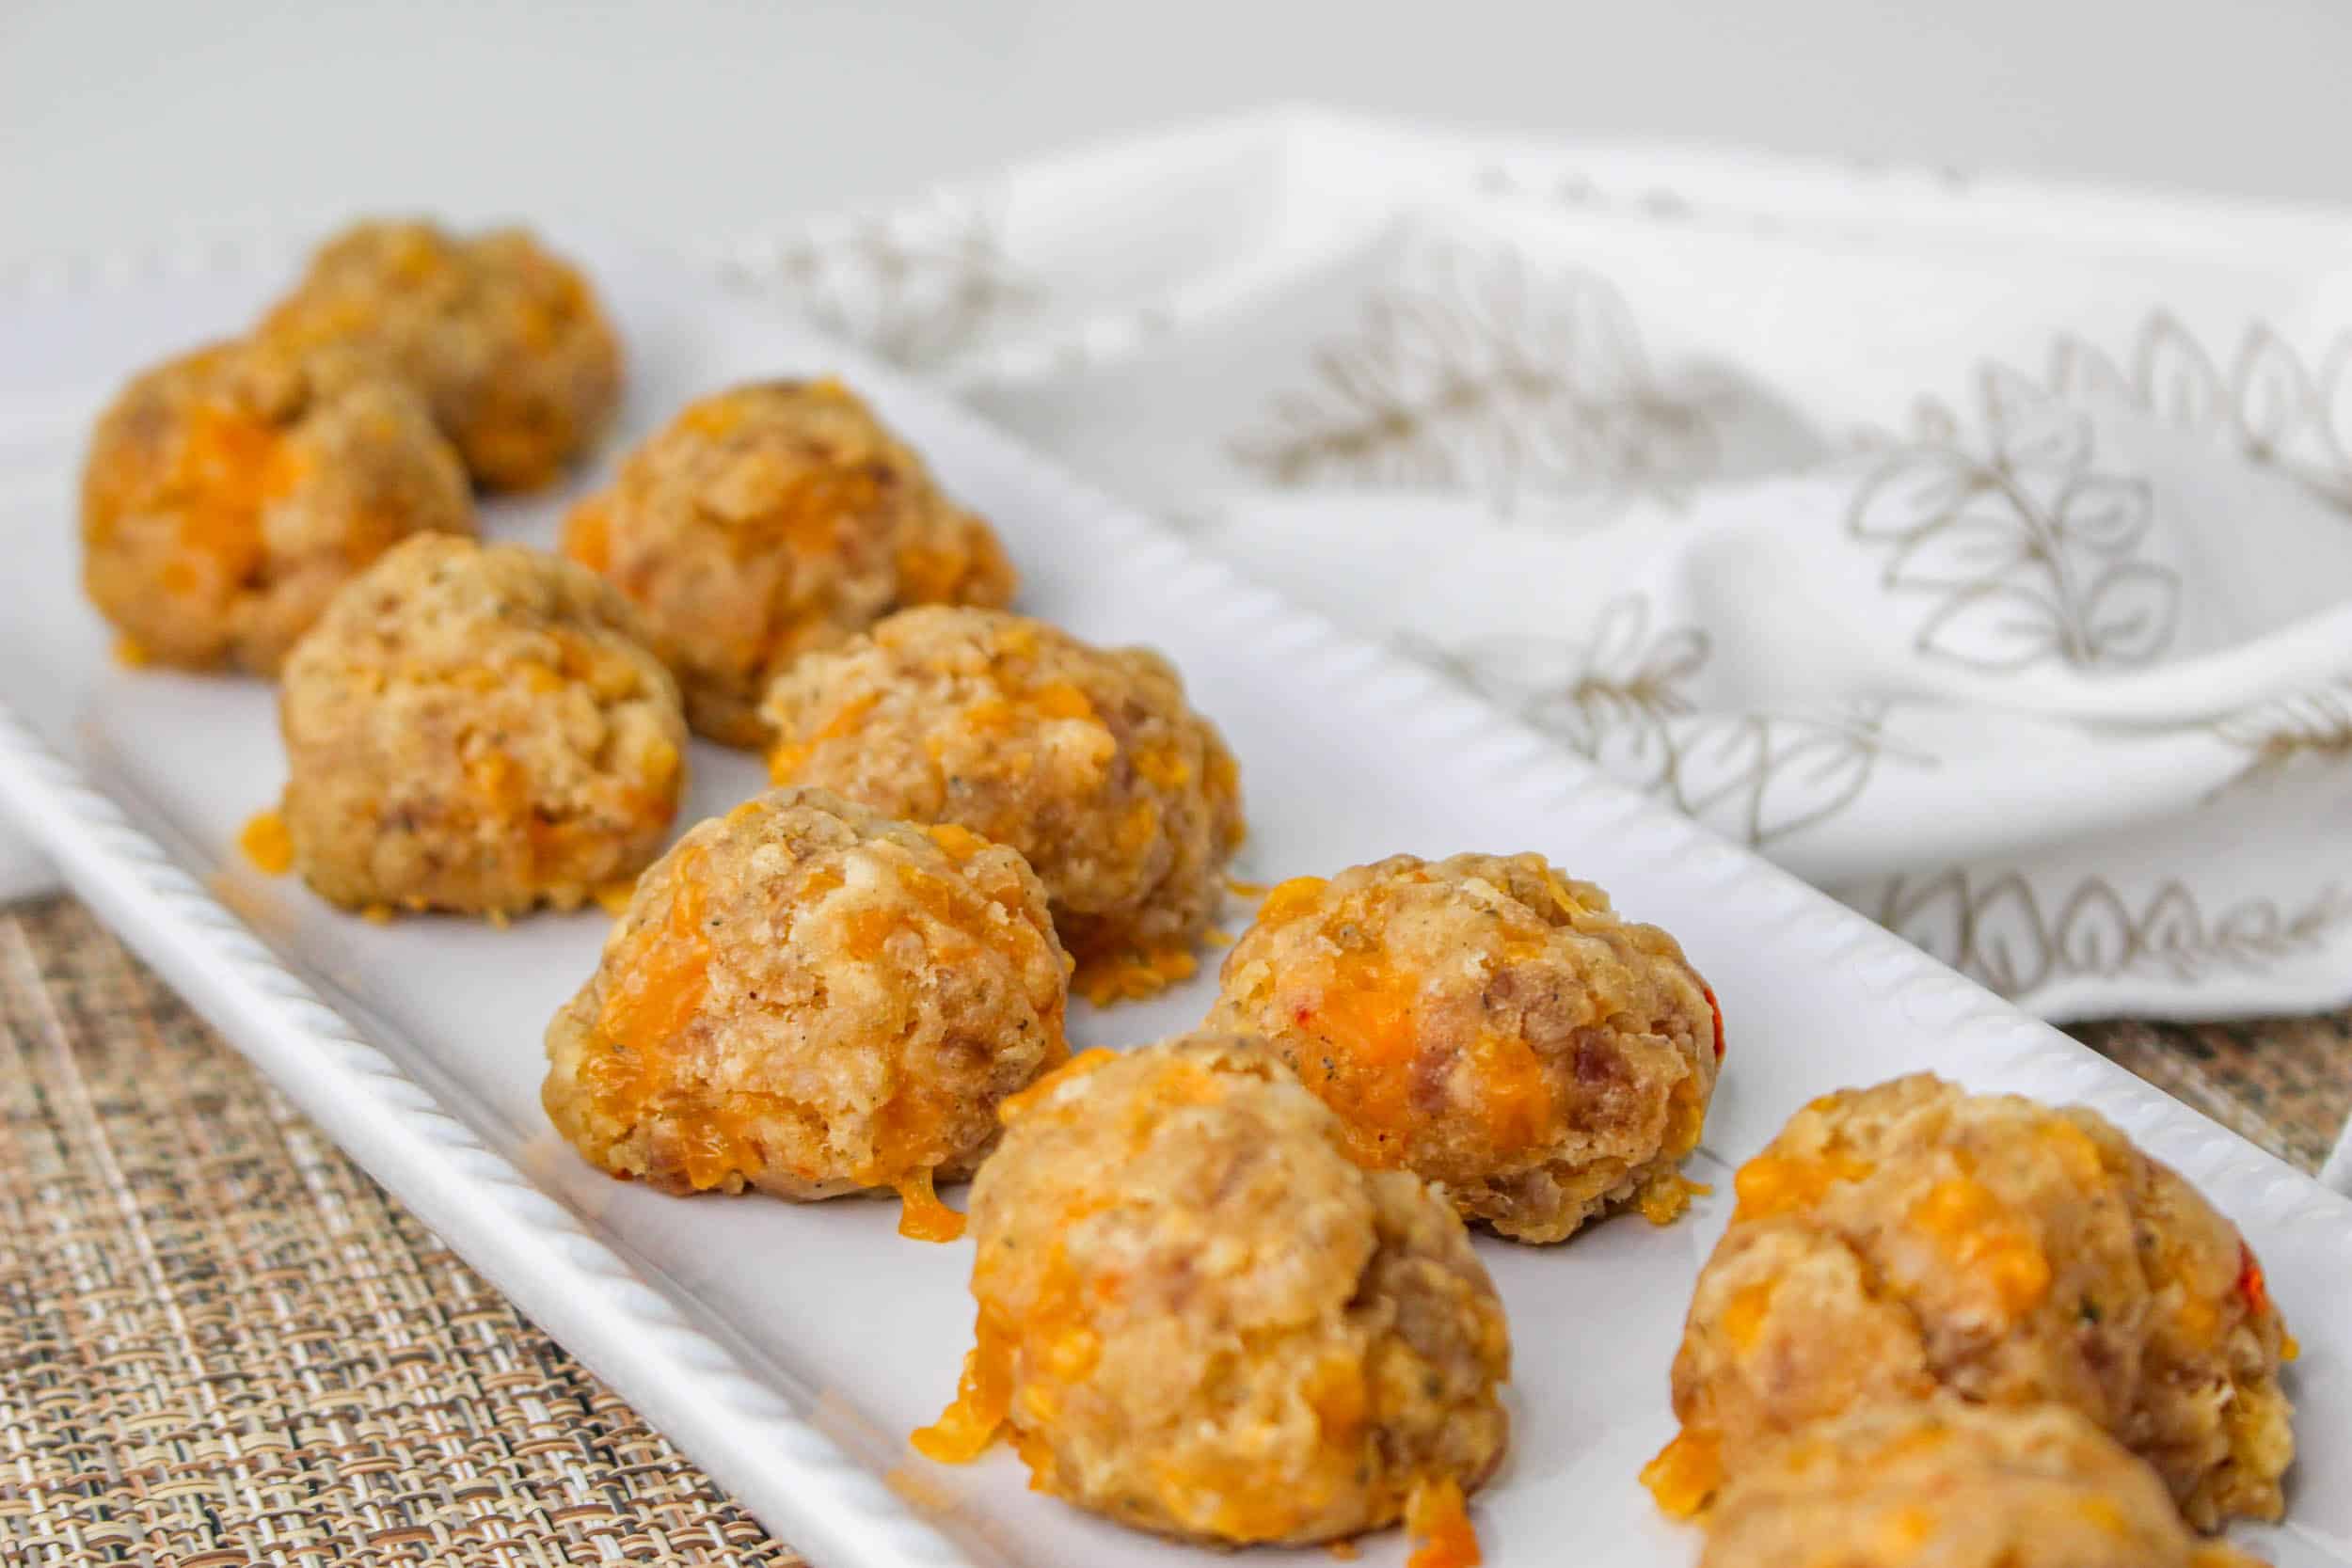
[789, 1348]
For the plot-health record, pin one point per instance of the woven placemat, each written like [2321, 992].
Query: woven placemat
[220, 1342]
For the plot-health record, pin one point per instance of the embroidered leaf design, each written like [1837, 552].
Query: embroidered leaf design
[2006, 931]
[2275, 396]
[915, 287]
[2273, 406]
[2028, 427]
[1810, 774]
[2085, 376]
[2173, 929]
[2177, 379]
[1996, 930]
[1620, 699]
[2311, 725]
[2130, 613]
[2106, 514]
[1917, 490]
[1932, 915]
[1476, 372]
[1960, 553]
[2031, 552]
[2095, 931]
[2332, 384]
[1993, 627]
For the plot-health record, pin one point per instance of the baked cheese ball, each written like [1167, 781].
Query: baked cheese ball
[476, 729]
[504, 339]
[1951, 1485]
[770, 519]
[809, 999]
[1199, 1316]
[229, 492]
[1086, 760]
[1490, 1025]
[1908, 1240]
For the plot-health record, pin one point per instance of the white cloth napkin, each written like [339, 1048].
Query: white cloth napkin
[1980, 552]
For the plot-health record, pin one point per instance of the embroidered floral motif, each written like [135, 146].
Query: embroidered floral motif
[1620, 700]
[1475, 373]
[915, 287]
[2030, 552]
[2000, 931]
[2268, 404]
[2277, 734]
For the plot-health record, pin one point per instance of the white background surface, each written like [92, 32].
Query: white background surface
[127, 123]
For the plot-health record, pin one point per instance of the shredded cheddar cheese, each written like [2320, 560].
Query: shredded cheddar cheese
[921, 1216]
[1744, 1314]
[1978, 1232]
[1440, 1526]
[1686, 1473]
[1781, 1183]
[267, 844]
[1903, 1530]
[984, 1398]
[1108, 978]
[1014, 1106]
[1288, 900]
[1663, 1201]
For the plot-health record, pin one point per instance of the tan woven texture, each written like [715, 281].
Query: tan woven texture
[221, 1343]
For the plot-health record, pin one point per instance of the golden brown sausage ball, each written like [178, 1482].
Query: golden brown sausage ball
[1948, 1484]
[478, 729]
[1490, 1025]
[1086, 760]
[770, 519]
[811, 1000]
[228, 493]
[1898, 1242]
[504, 338]
[1198, 1316]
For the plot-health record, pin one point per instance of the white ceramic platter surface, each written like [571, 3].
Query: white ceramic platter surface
[789, 1348]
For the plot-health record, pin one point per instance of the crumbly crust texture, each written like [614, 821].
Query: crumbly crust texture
[1909, 1240]
[229, 492]
[477, 729]
[1490, 1025]
[1088, 760]
[1199, 1316]
[1948, 1484]
[770, 519]
[504, 339]
[809, 999]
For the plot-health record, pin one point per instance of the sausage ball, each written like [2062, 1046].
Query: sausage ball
[1952, 1485]
[1911, 1239]
[504, 339]
[1490, 1025]
[477, 729]
[1086, 760]
[228, 493]
[812, 1000]
[1198, 1316]
[770, 519]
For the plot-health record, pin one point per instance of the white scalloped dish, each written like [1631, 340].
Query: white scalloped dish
[789, 1348]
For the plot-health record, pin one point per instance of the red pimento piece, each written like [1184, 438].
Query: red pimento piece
[2249, 1281]
[1719, 1018]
